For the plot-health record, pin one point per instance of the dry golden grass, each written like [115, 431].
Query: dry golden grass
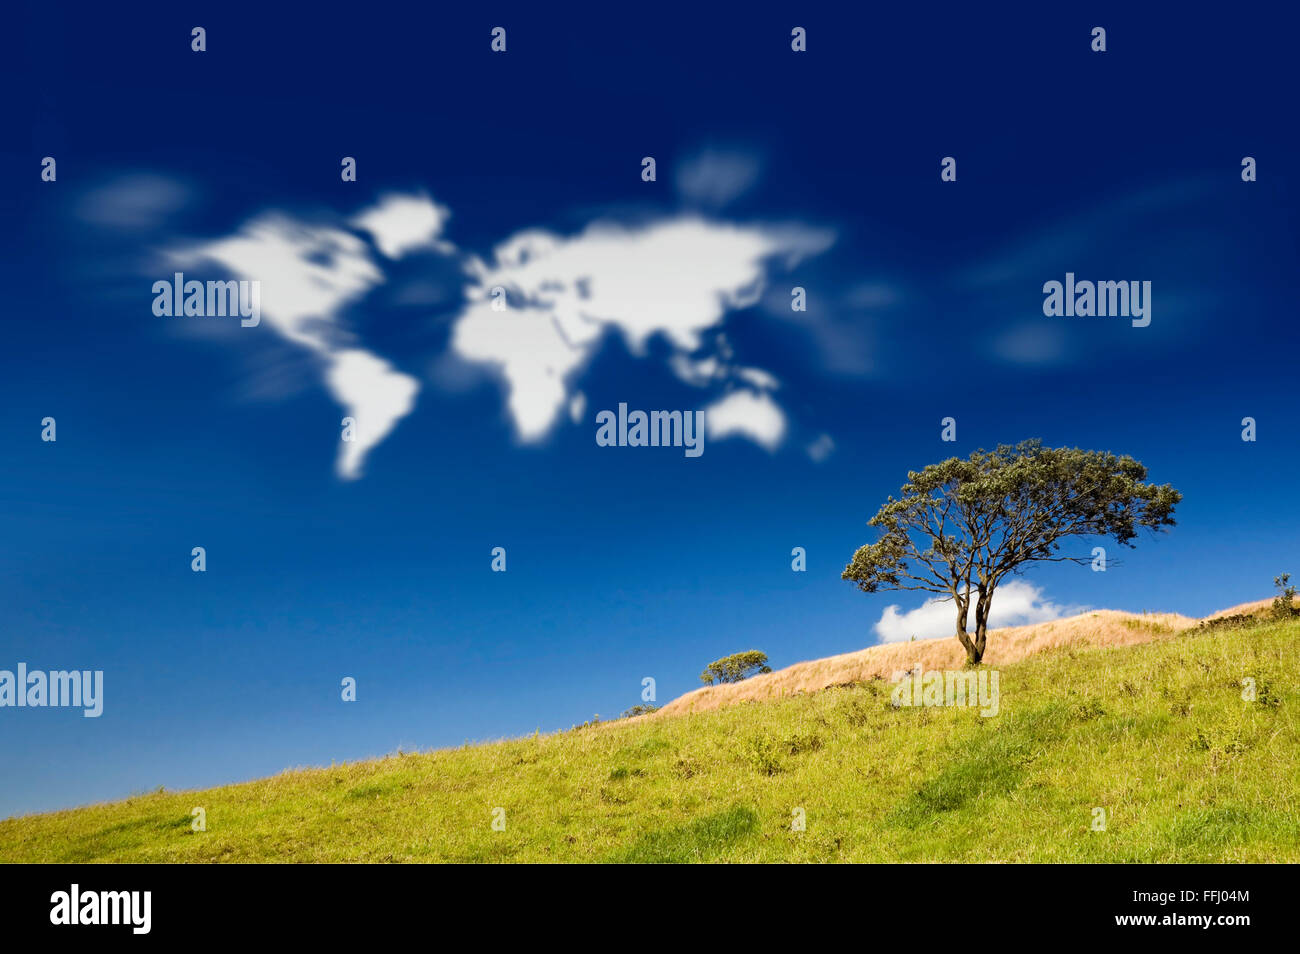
[1098, 628]
[1243, 609]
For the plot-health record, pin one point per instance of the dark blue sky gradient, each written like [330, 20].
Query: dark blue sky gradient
[622, 563]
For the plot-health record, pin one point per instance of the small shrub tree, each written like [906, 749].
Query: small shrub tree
[638, 710]
[1283, 603]
[735, 667]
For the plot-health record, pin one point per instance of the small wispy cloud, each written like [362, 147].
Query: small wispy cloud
[841, 322]
[821, 447]
[1033, 343]
[1146, 230]
[134, 202]
[717, 177]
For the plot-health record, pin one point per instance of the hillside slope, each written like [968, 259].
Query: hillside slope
[1096, 628]
[1007, 645]
[1156, 734]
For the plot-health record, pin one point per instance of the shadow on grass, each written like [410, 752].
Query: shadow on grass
[1233, 825]
[705, 839]
[113, 838]
[985, 766]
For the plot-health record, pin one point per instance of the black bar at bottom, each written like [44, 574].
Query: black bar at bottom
[331, 903]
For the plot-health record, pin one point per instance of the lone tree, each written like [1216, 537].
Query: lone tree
[735, 667]
[960, 526]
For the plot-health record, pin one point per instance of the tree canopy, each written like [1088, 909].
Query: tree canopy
[735, 667]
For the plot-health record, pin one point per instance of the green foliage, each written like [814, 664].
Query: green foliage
[1284, 603]
[1265, 696]
[801, 742]
[761, 754]
[1233, 621]
[735, 667]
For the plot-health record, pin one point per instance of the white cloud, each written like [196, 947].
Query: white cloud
[714, 369]
[403, 223]
[1015, 603]
[577, 407]
[699, 373]
[375, 395]
[676, 278]
[759, 378]
[533, 355]
[307, 275]
[746, 414]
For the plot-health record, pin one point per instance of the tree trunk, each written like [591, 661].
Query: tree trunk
[963, 609]
[982, 607]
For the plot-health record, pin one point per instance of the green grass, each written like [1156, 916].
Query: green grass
[1156, 734]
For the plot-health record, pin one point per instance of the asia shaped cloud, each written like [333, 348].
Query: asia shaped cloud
[677, 278]
[1015, 603]
[307, 275]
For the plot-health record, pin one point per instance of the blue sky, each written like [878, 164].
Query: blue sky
[775, 169]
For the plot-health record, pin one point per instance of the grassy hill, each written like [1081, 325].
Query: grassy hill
[1155, 732]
